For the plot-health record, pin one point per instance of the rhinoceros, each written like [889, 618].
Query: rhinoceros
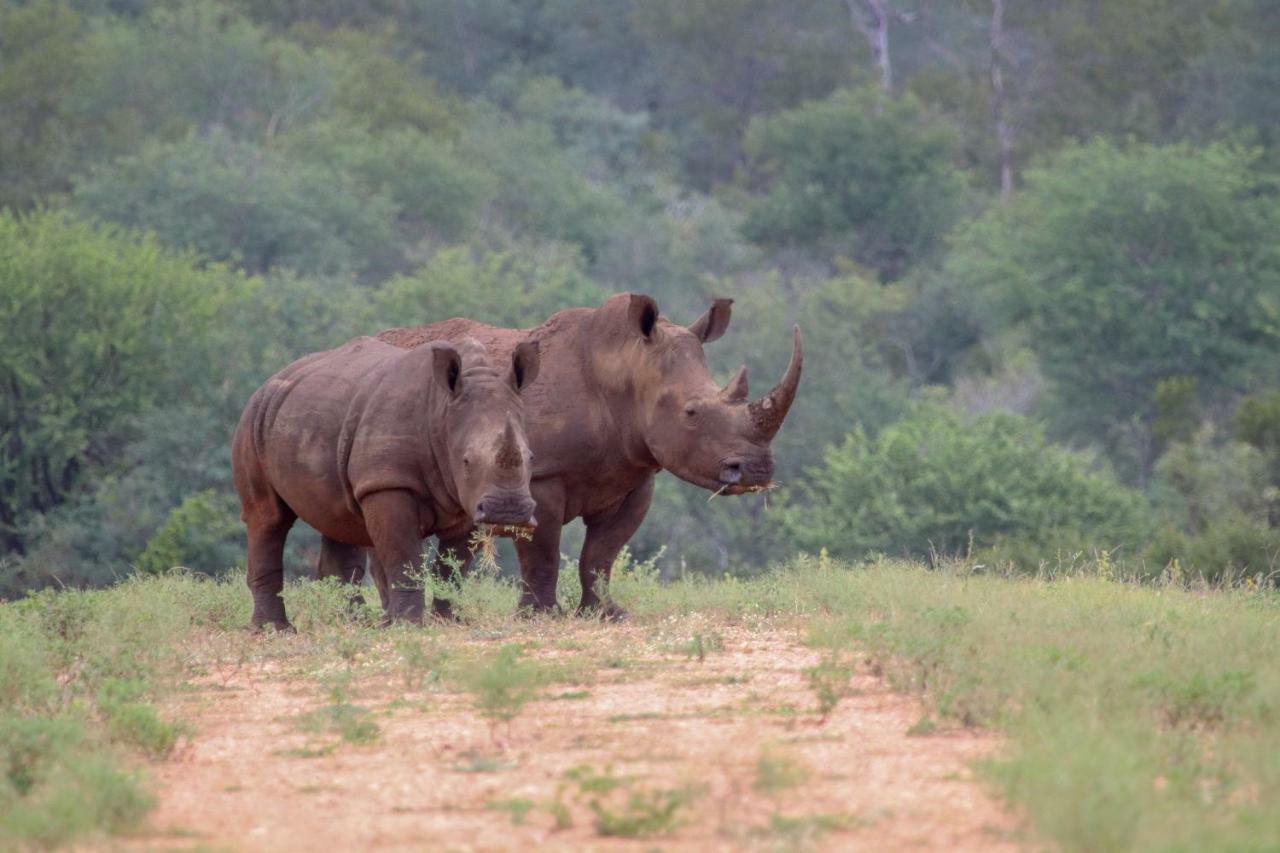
[625, 394]
[375, 445]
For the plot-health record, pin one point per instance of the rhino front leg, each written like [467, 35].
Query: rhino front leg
[453, 557]
[391, 518]
[540, 555]
[606, 536]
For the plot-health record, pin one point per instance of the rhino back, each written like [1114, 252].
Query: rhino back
[301, 425]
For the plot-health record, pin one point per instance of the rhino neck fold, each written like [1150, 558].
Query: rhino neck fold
[614, 391]
[436, 464]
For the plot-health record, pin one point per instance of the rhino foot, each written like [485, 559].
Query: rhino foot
[268, 611]
[533, 609]
[442, 609]
[406, 605]
[605, 611]
[281, 627]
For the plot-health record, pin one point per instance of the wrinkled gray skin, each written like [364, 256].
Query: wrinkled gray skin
[624, 394]
[378, 446]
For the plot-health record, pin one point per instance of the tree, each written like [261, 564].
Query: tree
[99, 325]
[1128, 265]
[872, 19]
[858, 174]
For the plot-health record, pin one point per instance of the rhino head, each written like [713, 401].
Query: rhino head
[716, 438]
[485, 445]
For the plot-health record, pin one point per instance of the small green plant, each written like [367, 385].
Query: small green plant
[777, 773]
[829, 681]
[644, 812]
[504, 685]
[474, 761]
[700, 645]
[352, 723]
[803, 831]
[421, 661]
[517, 807]
[559, 811]
[922, 727]
[622, 810]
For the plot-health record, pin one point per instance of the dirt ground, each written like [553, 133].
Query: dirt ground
[436, 777]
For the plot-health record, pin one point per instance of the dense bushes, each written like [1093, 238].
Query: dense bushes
[375, 167]
[937, 483]
[1127, 266]
[100, 326]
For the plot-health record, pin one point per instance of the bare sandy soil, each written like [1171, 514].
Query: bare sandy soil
[438, 778]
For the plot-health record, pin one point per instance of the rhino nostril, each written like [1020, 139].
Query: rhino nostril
[480, 510]
[731, 472]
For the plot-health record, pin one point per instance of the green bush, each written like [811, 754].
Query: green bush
[938, 482]
[203, 532]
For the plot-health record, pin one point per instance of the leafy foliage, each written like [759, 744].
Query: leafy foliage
[1128, 265]
[935, 483]
[858, 173]
[71, 388]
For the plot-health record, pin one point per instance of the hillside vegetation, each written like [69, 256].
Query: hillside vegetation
[1032, 251]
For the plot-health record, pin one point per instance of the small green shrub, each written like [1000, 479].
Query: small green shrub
[503, 685]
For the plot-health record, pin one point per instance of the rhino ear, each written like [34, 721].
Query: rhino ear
[524, 365]
[446, 366]
[713, 324]
[643, 314]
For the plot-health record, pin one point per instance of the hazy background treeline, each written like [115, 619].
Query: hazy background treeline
[1035, 249]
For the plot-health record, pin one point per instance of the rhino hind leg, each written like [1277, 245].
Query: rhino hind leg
[606, 536]
[266, 567]
[344, 562]
[391, 517]
[453, 557]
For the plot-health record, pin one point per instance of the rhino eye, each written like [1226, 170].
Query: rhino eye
[690, 411]
[466, 461]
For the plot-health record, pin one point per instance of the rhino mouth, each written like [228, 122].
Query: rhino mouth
[520, 530]
[719, 487]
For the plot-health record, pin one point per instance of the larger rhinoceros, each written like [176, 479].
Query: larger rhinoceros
[375, 445]
[625, 394]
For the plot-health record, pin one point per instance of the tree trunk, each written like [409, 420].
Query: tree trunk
[871, 18]
[999, 99]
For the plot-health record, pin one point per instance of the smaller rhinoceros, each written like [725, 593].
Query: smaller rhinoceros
[373, 445]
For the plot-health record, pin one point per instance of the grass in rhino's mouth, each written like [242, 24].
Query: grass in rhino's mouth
[737, 489]
[514, 531]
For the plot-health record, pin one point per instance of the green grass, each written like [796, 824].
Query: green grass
[1138, 716]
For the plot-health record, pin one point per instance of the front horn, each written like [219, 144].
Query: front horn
[768, 413]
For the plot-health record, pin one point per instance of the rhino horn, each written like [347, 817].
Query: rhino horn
[736, 391]
[509, 455]
[768, 413]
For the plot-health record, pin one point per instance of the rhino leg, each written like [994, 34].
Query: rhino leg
[540, 557]
[379, 576]
[391, 518]
[454, 553]
[267, 533]
[344, 562]
[606, 536]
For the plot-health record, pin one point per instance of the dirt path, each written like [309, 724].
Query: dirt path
[658, 727]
